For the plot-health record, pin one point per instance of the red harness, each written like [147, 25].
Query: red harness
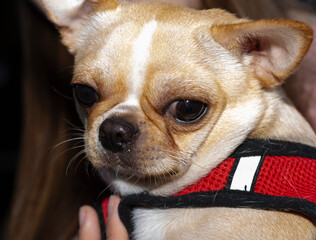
[262, 174]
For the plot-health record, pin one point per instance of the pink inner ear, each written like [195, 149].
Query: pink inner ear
[273, 49]
[250, 44]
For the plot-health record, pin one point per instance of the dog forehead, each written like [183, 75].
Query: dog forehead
[128, 45]
[111, 33]
[125, 47]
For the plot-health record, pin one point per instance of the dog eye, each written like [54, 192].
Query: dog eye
[85, 95]
[187, 111]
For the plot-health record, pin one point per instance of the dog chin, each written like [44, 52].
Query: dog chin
[126, 183]
[119, 186]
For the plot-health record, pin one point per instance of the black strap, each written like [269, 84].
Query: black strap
[222, 198]
[229, 198]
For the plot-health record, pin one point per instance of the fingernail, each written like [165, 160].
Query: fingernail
[82, 216]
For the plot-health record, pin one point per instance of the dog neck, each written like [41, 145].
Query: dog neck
[282, 121]
[260, 174]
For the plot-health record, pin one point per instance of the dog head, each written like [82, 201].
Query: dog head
[166, 93]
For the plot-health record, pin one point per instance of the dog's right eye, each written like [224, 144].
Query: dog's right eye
[86, 96]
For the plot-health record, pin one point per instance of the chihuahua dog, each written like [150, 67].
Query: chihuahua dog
[167, 93]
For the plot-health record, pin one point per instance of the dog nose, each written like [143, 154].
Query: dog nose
[116, 134]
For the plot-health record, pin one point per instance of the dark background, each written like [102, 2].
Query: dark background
[10, 99]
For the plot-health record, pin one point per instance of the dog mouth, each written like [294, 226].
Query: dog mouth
[146, 179]
[148, 174]
[145, 169]
[142, 164]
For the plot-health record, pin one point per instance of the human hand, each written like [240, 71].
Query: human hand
[115, 229]
[90, 226]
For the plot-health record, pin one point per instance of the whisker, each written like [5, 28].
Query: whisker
[73, 159]
[74, 125]
[66, 68]
[105, 189]
[80, 161]
[137, 180]
[62, 94]
[67, 137]
[67, 141]
[67, 150]
[76, 130]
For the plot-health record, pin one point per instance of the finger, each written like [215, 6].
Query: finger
[89, 224]
[115, 229]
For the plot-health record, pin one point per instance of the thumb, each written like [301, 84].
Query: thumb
[89, 224]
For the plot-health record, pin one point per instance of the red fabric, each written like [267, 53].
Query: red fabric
[105, 204]
[216, 180]
[283, 176]
[288, 177]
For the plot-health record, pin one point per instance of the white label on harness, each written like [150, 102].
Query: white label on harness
[244, 173]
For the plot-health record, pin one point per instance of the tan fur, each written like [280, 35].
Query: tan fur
[104, 5]
[221, 226]
[232, 36]
[190, 58]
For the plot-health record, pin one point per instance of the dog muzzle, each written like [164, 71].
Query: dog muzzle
[260, 174]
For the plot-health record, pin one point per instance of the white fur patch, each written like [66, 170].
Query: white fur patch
[151, 223]
[139, 60]
[63, 10]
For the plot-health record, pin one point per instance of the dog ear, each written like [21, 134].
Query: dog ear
[272, 48]
[70, 15]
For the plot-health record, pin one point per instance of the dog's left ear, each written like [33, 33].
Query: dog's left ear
[272, 48]
[71, 15]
